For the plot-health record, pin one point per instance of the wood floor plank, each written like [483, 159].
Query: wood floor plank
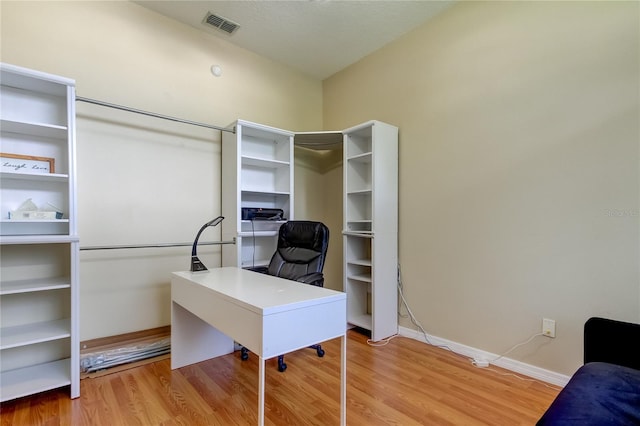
[405, 382]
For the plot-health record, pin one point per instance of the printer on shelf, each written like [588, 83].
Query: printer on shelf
[259, 213]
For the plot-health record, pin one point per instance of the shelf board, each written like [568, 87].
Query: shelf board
[258, 191]
[263, 162]
[42, 177]
[248, 228]
[258, 233]
[34, 81]
[361, 158]
[361, 191]
[35, 221]
[37, 239]
[30, 334]
[360, 277]
[262, 131]
[361, 320]
[358, 234]
[35, 129]
[359, 262]
[38, 378]
[323, 140]
[28, 286]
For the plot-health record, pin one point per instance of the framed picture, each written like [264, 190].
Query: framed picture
[16, 163]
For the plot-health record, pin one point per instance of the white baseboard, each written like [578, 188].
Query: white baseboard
[473, 353]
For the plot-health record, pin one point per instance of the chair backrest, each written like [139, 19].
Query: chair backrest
[302, 249]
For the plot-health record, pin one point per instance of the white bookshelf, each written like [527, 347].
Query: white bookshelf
[257, 171]
[49, 375]
[370, 227]
[39, 290]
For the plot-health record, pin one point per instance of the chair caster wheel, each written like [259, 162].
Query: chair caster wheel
[320, 352]
[281, 365]
[244, 354]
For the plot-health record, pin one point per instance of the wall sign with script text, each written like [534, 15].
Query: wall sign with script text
[16, 163]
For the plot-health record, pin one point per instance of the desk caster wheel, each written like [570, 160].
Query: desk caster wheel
[244, 354]
[320, 352]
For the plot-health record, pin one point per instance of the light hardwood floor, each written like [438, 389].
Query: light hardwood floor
[405, 382]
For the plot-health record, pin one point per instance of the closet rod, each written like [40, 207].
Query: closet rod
[137, 246]
[153, 114]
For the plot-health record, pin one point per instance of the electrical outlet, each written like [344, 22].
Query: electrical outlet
[549, 327]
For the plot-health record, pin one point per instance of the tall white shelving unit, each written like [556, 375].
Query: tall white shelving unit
[370, 227]
[257, 171]
[39, 289]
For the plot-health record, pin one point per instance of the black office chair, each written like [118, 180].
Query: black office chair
[300, 255]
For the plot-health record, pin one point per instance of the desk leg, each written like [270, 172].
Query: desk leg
[343, 382]
[261, 366]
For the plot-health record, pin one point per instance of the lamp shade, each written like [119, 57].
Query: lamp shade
[196, 264]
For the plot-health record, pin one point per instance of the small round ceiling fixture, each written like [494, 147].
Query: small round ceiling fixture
[216, 70]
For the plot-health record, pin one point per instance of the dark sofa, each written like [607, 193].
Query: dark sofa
[606, 389]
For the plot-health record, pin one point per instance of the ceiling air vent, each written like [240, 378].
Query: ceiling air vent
[220, 23]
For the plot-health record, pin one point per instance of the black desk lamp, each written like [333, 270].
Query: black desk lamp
[196, 264]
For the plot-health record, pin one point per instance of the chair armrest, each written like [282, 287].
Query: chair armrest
[314, 278]
[612, 341]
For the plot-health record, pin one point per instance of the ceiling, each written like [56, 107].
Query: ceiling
[318, 37]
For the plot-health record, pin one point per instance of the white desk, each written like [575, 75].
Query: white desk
[270, 316]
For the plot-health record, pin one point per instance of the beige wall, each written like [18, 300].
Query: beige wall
[519, 183]
[141, 180]
[518, 157]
